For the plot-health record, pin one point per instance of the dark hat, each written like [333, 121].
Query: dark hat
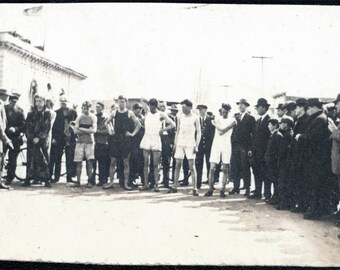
[311, 102]
[14, 96]
[101, 104]
[290, 105]
[279, 107]
[301, 102]
[262, 102]
[3, 91]
[337, 98]
[86, 104]
[288, 120]
[210, 113]
[173, 107]
[137, 106]
[243, 101]
[226, 106]
[202, 106]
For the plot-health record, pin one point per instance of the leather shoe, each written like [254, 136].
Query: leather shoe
[48, 184]
[3, 186]
[195, 193]
[209, 193]
[234, 191]
[108, 186]
[126, 187]
[255, 196]
[247, 193]
[222, 194]
[184, 184]
[172, 190]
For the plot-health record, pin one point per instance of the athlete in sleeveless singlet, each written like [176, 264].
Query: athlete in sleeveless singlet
[187, 139]
[151, 141]
[119, 124]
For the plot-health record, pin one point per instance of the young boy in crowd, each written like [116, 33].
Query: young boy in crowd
[271, 157]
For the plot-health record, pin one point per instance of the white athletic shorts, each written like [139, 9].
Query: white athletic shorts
[218, 154]
[187, 151]
[151, 143]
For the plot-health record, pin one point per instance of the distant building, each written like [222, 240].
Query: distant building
[283, 98]
[23, 67]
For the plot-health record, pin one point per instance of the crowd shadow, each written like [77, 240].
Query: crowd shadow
[233, 205]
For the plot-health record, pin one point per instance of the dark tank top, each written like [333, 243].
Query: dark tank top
[122, 123]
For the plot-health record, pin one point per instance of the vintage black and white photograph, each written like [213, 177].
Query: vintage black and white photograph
[170, 134]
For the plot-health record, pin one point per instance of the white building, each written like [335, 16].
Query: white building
[22, 65]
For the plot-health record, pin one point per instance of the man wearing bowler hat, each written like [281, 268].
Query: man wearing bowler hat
[241, 139]
[14, 131]
[259, 146]
[204, 147]
[318, 151]
[279, 111]
[298, 170]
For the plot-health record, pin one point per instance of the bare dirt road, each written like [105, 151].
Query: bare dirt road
[66, 224]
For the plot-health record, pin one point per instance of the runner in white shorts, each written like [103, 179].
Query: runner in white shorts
[221, 148]
[151, 141]
[186, 143]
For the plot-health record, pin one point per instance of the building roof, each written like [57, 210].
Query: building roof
[21, 46]
[294, 98]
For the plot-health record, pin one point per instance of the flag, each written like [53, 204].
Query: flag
[34, 11]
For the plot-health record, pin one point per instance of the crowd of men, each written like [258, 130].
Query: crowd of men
[294, 155]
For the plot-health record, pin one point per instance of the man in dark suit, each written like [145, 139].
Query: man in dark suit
[259, 146]
[241, 140]
[318, 148]
[298, 170]
[204, 148]
[14, 130]
[63, 137]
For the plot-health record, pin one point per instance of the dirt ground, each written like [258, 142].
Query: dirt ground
[65, 224]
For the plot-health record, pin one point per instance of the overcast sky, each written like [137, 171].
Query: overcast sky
[161, 50]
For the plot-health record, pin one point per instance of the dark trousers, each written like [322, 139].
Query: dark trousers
[12, 160]
[166, 157]
[102, 158]
[285, 189]
[273, 176]
[136, 164]
[323, 199]
[240, 166]
[261, 177]
[55, 160]
[301, 187]
[202, 152]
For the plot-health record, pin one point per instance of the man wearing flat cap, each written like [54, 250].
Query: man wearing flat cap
[241, 140]
[204, 148]
[259, 146]
[14, 130]
[318, 148]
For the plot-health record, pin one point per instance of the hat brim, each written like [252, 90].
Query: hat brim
[262, 105]
[245, 103]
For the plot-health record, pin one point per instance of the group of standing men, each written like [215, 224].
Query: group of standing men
[294, 154]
